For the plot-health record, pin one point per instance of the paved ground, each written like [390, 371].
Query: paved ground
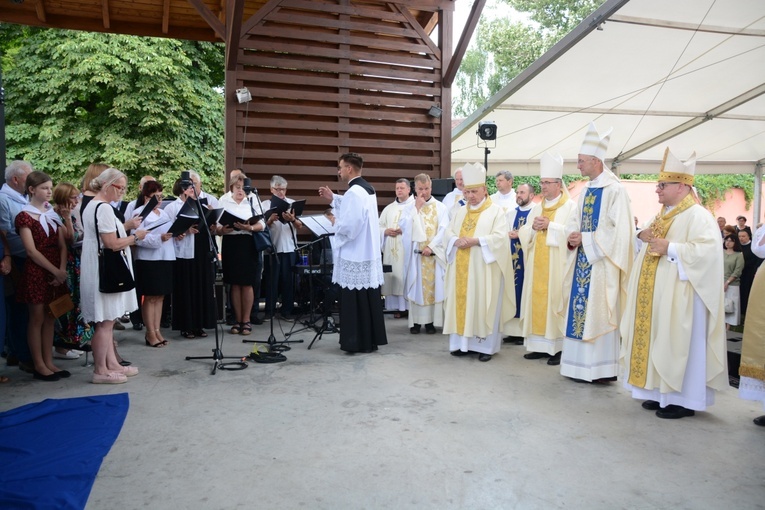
[406, 427]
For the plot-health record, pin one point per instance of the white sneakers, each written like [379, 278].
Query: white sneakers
[70, 354]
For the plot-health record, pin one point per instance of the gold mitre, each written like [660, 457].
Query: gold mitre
[551, 166]
[473, 175]
[594, 144]
[674, 170]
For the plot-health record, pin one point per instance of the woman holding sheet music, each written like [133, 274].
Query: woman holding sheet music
[238, 251]
[155, 257]
[190, 309]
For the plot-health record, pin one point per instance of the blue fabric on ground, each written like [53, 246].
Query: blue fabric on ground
[51, 451]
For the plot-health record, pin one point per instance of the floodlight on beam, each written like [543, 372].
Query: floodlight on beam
[435, 111]
[243, 95]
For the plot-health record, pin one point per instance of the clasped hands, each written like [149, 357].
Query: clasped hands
[462, 242]
[540, 223]
[656, 245]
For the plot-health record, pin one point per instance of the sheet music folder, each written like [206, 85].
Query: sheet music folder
[318, 224]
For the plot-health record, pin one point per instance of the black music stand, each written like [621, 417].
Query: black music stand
[322, 228]
[217, 355]
[274, 346]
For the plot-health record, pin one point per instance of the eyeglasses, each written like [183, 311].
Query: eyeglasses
[280, 190]
[121, 189]
[547, 183]
[663, 185]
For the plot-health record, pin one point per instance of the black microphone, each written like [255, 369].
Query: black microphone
[247, 186]
[186, 180]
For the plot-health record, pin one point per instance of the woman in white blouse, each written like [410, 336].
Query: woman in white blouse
[155, 256]
[238, 252]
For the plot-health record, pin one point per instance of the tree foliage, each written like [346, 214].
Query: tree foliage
[143, 105]
[504, 47]
[711, 187]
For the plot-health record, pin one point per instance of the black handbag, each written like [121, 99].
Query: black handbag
[262, 239]
[113, 270]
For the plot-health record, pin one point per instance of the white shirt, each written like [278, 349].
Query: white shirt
[282, 234]
[242, 210]
[184, 248]
[507, 202]
[152, 247]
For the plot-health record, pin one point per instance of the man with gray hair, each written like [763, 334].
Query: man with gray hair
[12, 201]
[455, 198]
[505, 195]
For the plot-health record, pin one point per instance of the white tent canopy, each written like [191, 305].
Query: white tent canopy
[687, 74]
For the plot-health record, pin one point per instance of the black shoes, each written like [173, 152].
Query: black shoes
[760, 420]
[48, 378]
[536, 355]
[459, 353]
[650, 405]
[515, 340]
[415, 330]
[484, 357]
[673, 412]
[554, 360]
[138, 326]
[429, 329]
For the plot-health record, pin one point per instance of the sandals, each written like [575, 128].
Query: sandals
[236, 329]
[158, 344]
[246, 329]
[201, 333]
[188, 334]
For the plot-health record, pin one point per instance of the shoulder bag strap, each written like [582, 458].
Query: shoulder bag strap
[95, 220]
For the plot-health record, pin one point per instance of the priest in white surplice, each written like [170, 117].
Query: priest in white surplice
[478, 302]
[393, 249]
[602, 236]
[505, 195]
[357, 259]
[423, 224]
[548, 258]
[455, 198]
[674, 348]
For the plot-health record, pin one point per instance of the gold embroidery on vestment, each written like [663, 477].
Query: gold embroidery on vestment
[462, 263]
[641, 338]
[540, 290]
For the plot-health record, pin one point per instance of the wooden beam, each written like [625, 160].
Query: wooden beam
[166, 16]
[259, 16]
[229, 137]
[209, 17]
[420, 31]
[446, 38]
[40, 10]
[107, 22]
[234, 14]
[467, 33]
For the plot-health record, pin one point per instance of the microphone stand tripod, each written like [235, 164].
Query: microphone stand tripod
[273, 345]
[217, 355]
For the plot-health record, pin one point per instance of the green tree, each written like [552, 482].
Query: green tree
[503, 48]
[144, 105]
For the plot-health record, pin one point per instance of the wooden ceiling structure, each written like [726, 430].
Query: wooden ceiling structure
[325, 76]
